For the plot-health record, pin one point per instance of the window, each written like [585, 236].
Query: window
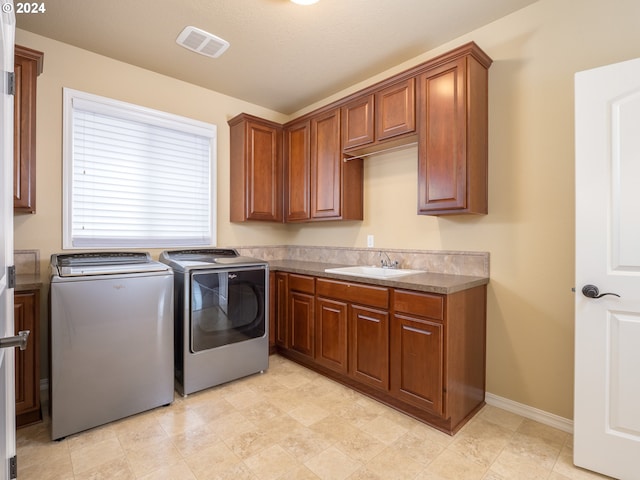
[135, 177]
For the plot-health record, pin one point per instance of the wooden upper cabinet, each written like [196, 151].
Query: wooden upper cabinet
[441, 104]
[318, 184]
[452, 151]
[27, 67]
[370, 121]
[326, 165]
[358, 122]
[396, 110]
[297, 172]
[256, 169]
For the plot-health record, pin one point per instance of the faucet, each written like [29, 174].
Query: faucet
[387, 263]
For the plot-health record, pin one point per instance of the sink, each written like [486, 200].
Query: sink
[373, 272]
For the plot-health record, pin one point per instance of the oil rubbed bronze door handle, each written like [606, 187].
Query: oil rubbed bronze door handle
[591, 291]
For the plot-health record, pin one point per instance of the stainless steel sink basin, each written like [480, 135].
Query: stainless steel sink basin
[373, 272]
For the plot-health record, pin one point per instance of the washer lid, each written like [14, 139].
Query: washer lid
[104, 263]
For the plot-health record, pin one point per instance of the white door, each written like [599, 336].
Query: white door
[607, 329]
[7, 383]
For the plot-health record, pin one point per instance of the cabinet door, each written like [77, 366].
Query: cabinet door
[297, 172]
[26, 312]
[357, 122]
[369, 346]
[301, 322]
[28, 65]
[396, 110]
[331, 334]
[326, 166]
[281, 304]
[442, 168]
[417, 356]
[452, 147]
[256, 169]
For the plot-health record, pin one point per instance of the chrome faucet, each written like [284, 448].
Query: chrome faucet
[387, 263]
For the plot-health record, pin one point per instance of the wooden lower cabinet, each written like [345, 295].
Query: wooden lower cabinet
[27, 363]
[279, 304]
[421, 353]
[369, 346]
[301, 314]
[417, 358]
[331, 334]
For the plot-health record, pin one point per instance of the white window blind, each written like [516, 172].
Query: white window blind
[136, 177]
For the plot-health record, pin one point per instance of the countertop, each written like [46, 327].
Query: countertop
[425, 282]
[28, 282]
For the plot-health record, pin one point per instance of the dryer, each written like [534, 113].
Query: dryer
[221, 316]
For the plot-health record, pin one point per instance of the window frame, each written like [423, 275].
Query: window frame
[136, 113]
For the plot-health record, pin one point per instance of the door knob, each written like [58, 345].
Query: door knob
[592, 291]
[19, 340]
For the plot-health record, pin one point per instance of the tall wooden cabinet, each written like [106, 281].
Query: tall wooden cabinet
[27, 317]
[27, 67]
[452, 151]
[256, 169]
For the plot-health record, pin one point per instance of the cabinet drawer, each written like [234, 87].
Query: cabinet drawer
[420, 304]
[354, 293]
[301, 283]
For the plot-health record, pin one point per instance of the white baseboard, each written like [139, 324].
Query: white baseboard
[531, 413]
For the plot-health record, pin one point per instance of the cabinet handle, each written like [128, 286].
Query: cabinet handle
[416, 330]
[371, 319]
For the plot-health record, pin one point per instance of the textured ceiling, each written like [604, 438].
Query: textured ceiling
[282, 56]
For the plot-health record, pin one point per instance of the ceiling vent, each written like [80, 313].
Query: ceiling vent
[202, 42]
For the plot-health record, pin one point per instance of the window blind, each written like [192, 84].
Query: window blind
[137, 177]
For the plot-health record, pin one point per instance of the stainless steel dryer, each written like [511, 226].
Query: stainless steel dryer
[111, 338]
[221, 316]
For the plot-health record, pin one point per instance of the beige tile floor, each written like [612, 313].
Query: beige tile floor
[292, 424]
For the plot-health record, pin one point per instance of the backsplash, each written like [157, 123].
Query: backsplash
[435, 261]
[27, 262]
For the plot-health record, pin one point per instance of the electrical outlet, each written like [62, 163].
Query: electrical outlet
[370, 241]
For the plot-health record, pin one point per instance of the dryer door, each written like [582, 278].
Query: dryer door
[227, 306]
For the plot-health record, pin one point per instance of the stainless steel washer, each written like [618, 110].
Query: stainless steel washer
[111, 338]
[221, 316]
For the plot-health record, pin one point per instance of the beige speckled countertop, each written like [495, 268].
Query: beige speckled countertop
[28, 281]
[425, 282]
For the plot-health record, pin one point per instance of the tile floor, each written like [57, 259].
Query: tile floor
[292, 424]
